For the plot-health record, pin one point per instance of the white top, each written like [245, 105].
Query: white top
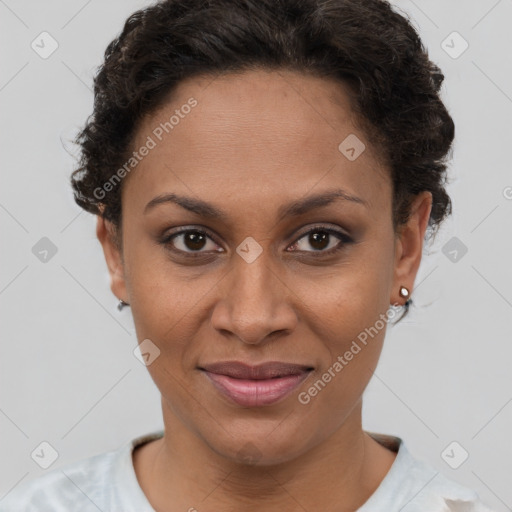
[107, 482]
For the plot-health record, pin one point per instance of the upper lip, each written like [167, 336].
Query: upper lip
[269, 370]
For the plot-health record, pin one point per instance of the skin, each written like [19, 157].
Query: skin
[256, 141]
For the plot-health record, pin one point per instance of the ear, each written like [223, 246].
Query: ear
[106, 233]
[409, 245]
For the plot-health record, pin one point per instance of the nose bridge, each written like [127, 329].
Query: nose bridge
[254, 302]
[253, 283]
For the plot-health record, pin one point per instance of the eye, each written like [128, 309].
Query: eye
[190, 241]
[322, 240]
[196, 241]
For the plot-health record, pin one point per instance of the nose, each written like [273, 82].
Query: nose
[255, 303]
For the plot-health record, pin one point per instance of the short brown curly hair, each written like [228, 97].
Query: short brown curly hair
[364, 44]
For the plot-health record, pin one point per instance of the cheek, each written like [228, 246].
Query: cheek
[164, 297]
[352, 330]
[168, 308]
[350, 319]
[352, 345]
[346, 301]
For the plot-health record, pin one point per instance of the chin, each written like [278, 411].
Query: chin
[259, 447]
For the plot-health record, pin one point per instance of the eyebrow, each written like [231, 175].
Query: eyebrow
[295, 208]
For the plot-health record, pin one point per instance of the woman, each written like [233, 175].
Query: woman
[264, 175]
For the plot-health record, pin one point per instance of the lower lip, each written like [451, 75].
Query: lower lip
[255, 393]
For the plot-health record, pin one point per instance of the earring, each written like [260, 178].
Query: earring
[121, 304]
[404, 292]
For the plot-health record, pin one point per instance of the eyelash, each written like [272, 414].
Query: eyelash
[343, 240]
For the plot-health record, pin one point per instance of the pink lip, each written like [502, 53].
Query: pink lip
[253, 386]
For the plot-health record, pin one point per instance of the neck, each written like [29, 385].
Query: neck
[183, 473]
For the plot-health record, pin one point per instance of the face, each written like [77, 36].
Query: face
[249, 237]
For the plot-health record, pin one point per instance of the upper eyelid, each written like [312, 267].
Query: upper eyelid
[332, 230]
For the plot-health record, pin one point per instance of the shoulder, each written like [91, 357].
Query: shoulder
[66, 488]
[413, 485]
[445, 493]
[106, 481]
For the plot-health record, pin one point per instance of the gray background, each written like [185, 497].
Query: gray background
[67, 369]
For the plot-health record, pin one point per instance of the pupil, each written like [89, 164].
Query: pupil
[315, 238]
[194, 240]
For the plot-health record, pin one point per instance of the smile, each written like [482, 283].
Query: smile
[255, 386]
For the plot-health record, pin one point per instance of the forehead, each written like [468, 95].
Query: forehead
[255, 136]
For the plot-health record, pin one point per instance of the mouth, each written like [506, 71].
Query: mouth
[255, 386]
